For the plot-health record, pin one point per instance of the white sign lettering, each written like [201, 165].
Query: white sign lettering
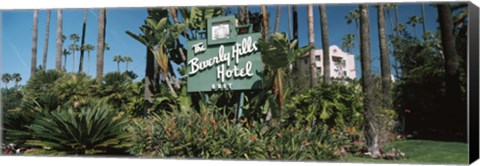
[199, 47]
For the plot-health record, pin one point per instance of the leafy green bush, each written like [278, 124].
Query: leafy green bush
[96, 128]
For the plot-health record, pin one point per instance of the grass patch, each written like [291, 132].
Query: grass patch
[424, 152]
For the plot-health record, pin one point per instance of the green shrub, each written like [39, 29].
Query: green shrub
[94, 129]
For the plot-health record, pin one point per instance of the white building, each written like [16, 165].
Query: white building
[342, 64]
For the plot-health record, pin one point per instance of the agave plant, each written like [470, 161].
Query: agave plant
[95, 129]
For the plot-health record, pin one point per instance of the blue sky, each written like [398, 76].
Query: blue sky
[17, 34]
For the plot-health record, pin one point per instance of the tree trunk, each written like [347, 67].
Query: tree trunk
[289, 24]
[45, 49]
[82, 45]
[397, 19]
[88, 62]
[174, 78]
[169, 85]
[73, 64]
[390, 19]
[149, 88]
[277, 19]
[102, 21]
[454, 120]
[371, 133]
[295, 25]
[311, 41]
[58, 59]
[384, 54]
[34, 43]
[242, 15]
[325, 44]
[423, 22]
[264, 22]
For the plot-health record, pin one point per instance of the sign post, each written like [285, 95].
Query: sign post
[225, 60]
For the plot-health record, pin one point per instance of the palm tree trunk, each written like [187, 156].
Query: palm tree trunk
[289, 24]
[169, 85]
[384, 57]
[82, 45]
[311, 41]
[73, 63]
[325, 44]
[88, 62]
[58, 59]
[452, 74]
[390, 20]
[45, 49]
[371, 133]
[102, 21]
[397, 19]
[264, 22]
[34, 43]
[295, 24]
[118, 66]
[65, 63]
[172, 74]
[126, 67]
[277, 19]
[423, 22]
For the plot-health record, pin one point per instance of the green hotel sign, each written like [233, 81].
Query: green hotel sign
[224, 61]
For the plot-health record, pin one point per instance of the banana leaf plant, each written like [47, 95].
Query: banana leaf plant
[160, 36]
[196, 19]
[277, 55]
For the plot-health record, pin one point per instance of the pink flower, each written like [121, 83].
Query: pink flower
[408, 111]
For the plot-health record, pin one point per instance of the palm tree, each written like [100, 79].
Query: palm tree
[127, 60]
[88, 48]
[243, 15]
[452, 70]
[102, 21]
[423, 21]
[353, 16]
[295, 24]
[311, 41]
[384, 57]
[34, 43]
[387, 10]
[58, 59]
[82, 45]
[6, 78]
[277, 19]
[17, 78]
[45, 49]
[74, 47]
[65, 53]
[413, 20]
[118, 59]
[264, 22]
[325, 45]
[371, 133]
[348, 43]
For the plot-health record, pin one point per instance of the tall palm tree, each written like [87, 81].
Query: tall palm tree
[45, 49]
[88, 48]
[243, 15]
[387, 8]
[371, 133]
[353, 17]
[423, 21]
[118, 59]
[384, 57]
[82, 45]
[34, 43]
[325, 45]
[277, 19]
[17, 78]
[102, 21]
[348, 42]
[59, 43]
[413, 20]
[74, 47]
[6, 78]
[127, 60]
[452, 70]
[65, 53]
[264, 22]
[311, 41]
[295, 24]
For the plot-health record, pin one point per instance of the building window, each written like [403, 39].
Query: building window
[317, 58]
[319, 70]
[345, 73]
[344, 62]
[305, 61]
